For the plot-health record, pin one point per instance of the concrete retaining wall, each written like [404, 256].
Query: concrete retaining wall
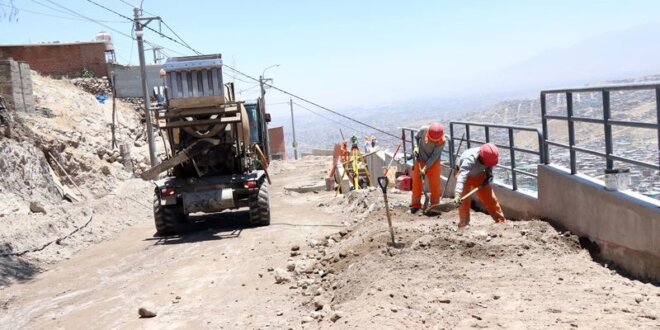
[626, 226]
[16, 85]
[128, 82]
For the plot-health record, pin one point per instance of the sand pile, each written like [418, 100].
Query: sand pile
[516, 274]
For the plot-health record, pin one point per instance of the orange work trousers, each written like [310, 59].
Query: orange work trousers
[433, 177]
[485, 195]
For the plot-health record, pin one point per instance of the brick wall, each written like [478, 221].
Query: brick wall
[276, 139]
[60, 59]
[16, 85]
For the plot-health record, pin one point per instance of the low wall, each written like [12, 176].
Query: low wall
[16, 85]
[128, 82]
[626, 226]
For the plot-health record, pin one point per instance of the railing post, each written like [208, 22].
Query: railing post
[657, 116]
[542, 154]
[451, 145]
[545, 159]
[608, 129]
[512, 153]
[467, 135]
[571, 131]
[404, 142]
[487, 133]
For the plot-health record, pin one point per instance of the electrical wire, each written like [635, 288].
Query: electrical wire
[71, 18]
[83, 16]
[186, 45]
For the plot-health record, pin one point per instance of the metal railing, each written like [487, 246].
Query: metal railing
[513, 168]
[606, 121]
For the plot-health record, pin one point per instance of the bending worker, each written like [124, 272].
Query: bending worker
[430, 141]
[475, 168]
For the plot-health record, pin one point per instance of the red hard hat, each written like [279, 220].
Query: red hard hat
[489, 154]
[436, 132]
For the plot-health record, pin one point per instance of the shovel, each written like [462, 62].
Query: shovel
[450, 206]
[383, 182]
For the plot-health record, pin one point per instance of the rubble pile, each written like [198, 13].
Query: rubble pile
[60, 156]
[95, 86]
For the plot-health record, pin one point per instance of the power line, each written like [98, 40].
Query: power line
[315, 104]
[184, 44]
[330, 119]
[83, 16]
[71, 18]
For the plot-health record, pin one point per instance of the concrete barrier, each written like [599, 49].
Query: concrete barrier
[625, 225]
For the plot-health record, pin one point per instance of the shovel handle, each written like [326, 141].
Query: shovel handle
[383, 181]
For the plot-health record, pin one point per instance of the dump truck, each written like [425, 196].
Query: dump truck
[214, 146]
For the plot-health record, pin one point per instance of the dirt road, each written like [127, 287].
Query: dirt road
[216, 276]
[342, 274]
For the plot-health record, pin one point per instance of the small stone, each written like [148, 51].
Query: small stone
[281, 276]
[145, 313]
[307, 319]
[270, 269]
[177, 297]
[36, 207]
[279, 313]
[343, 232]
[295, 253]
[335, 316]
[394, 309]
[105, 170]
[639, 300]
[342, 255]
[496, 297]
[295, 248]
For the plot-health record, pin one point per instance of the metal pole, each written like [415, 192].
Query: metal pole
[608, 129]
[145, 94]
[263, 116]
[544, 121]
[657, 118]
[512, 154]
[293, 131]
[571, 131]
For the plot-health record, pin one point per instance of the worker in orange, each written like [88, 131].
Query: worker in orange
[475, 168]
[430, 141]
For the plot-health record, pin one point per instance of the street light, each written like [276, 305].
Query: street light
[262, 80]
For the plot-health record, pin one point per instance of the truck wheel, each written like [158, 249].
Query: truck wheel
[168, 218]
[260, 207]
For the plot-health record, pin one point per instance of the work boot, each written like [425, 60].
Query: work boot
[500, 219]
[464, 222]
[413, 210]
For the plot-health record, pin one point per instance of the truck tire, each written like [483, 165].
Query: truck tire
[168, 218]
[260, 206]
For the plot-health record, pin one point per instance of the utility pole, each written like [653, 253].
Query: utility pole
[293, 130]
[143, 74]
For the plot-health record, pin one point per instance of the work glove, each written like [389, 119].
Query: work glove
[422, 172]
[416, 153]
[487, 180]
[458, 200]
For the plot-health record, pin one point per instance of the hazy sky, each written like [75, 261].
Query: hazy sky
[342, 52]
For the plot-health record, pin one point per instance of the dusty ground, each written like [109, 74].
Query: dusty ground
[342, 274]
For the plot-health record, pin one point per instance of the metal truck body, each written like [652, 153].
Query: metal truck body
[212, 144]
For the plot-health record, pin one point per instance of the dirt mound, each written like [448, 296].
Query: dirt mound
[51, 153]
[507, 275]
